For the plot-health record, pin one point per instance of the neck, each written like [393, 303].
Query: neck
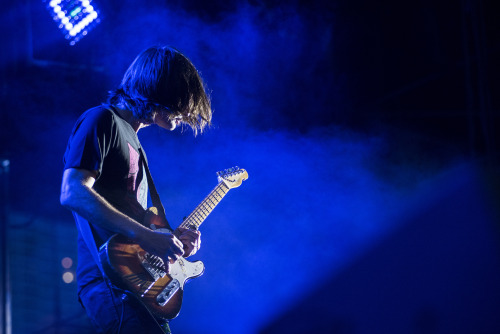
[128, 116]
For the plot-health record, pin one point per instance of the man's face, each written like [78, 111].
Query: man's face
[167, 121]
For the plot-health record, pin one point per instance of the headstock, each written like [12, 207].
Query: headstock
[232, 177]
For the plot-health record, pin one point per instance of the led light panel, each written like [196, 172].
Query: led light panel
[74, 17]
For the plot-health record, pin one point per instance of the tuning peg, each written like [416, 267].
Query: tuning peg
[232, 169]
[228, 171]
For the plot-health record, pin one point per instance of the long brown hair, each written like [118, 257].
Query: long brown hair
[163, 80]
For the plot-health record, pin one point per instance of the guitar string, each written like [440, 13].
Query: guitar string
[201, 212]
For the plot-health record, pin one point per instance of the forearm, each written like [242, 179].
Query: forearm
[93, 207]
[80, 197]
[77, 194]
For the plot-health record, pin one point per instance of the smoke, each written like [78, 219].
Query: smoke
[318, 194]
[313, 203]
[270, 67]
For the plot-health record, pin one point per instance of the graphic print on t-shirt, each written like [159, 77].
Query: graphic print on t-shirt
[139, 190]
[133, 168]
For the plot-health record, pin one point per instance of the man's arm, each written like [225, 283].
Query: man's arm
[78, 195]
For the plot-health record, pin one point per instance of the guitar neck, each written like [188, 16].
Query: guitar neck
[201, 212]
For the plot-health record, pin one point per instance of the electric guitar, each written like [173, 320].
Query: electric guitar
[143, 274]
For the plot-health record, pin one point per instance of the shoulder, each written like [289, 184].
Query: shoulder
[97, 115]
[101, 119]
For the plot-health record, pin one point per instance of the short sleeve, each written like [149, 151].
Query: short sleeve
[90, 140]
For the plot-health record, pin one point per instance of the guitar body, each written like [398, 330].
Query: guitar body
[133, 269]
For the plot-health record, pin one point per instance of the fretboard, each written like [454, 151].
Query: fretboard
[206, 206]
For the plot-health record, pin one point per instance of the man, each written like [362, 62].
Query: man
[105, 179]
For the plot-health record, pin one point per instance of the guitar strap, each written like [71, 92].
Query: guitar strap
[153, 193]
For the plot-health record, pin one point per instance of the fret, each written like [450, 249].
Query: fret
[204, 209]
[214, 204]
[225, 186]
[197, 217]
[189, 221]
[215, 195]
[206, 206]
[200, 213]
[207, 203]
[218, 193]
[191, 218]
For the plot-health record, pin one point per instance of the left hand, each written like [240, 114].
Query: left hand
[190, 239]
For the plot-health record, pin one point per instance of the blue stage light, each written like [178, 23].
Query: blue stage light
[75, 18]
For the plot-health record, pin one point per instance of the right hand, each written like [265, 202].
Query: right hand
[165, 245]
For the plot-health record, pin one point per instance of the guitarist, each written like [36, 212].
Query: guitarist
[105, 179]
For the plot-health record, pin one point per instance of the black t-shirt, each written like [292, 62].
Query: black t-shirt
[102, 141]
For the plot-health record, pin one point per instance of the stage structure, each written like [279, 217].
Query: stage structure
[5, 294]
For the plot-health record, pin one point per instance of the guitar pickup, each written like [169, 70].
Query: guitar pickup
[167, 293]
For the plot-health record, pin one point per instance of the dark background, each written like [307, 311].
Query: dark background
[369, 131]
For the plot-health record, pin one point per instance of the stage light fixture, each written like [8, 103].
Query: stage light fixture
[75, 18]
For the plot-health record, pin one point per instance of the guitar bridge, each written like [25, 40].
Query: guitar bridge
[167, 293]
[154, 266]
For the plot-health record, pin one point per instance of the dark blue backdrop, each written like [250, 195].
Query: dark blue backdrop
[370, 206]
